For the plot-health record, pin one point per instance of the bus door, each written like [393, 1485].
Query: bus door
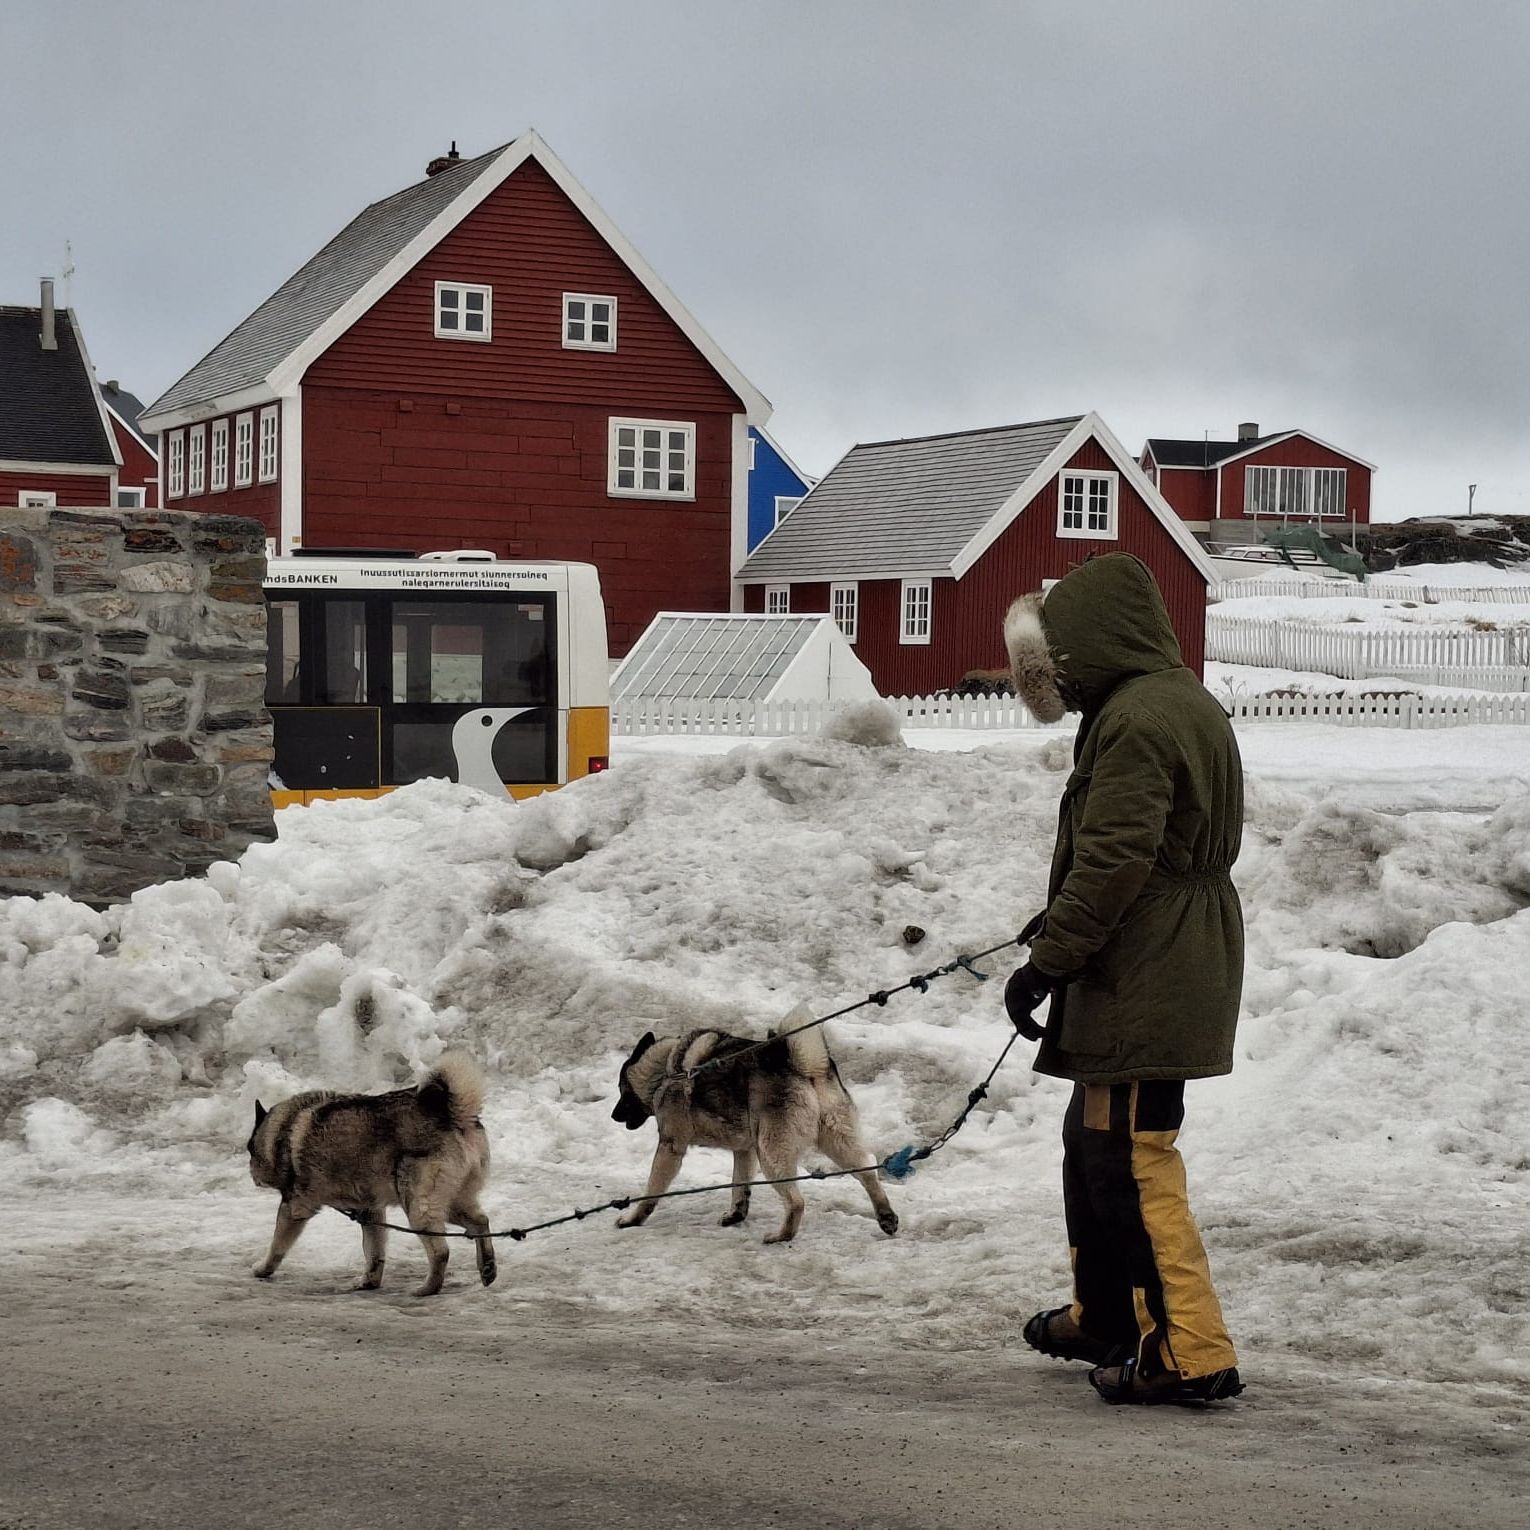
[441, 657]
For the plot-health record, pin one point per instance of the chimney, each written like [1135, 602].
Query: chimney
[443, 161]
[49, 336]
[1248, 430]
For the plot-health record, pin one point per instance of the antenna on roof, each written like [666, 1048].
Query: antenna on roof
[68, 272]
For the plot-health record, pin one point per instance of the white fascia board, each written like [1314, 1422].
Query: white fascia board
[1010, 510]
[225, 403]
[95, 389]
[843, 578]
[738, 507]
[287, 373]
[290, 468]
[129, 427]
[777, 448]
[71, 469]
[1155, 501]
[1306, 435]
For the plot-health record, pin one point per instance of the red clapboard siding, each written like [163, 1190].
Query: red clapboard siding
[529, 243]
[83, 489]
[139, 470]
[1191, 491]
[967, 615]
[1299, 451]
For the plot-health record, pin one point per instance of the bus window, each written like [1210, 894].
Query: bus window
[283, 653]
[344, 678]
[471, 653]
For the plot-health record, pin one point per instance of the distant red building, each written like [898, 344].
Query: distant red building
[917, 547]
[481, 360]
[138, 477]
[1225, 490]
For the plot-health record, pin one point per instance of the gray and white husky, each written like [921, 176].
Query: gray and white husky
[422, 1149]
[774, 1105]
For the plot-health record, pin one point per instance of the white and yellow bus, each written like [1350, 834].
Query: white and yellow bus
[386, 668]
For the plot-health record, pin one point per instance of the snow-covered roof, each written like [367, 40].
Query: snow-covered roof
[697, 656]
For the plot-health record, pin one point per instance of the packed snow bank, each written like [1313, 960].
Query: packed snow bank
[1362, 1178]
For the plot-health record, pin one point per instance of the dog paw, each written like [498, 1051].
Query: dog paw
[888, 1222]
[779, 1236]
[487, 1273]
[630, 1219]
[263, 1271]
[733, 1219]
[430, 1288]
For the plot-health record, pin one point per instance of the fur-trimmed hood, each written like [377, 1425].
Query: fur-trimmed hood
[1100, 625]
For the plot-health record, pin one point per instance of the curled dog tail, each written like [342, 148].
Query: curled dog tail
[454, 1090]
[809, 1049]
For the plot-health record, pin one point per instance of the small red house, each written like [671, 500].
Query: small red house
[917, 547]
[1225, 490]
[481, 360]
[56, 444]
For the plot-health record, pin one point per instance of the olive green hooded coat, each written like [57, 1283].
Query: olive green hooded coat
[1142, 918]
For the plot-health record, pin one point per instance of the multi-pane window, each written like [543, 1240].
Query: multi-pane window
[844, 603]
[1087, 506]
[218, 478]
[653, 458]
[1294, 491]
[177, 463]
[196, 459]
[464, 312]
[915, 625]
[778, 599]
[589, 323]
[244, 451]
[36, 499]
[268, 428]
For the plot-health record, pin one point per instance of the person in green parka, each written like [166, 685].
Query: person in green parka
[1140, 949]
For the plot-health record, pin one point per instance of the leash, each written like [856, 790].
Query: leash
[898, 1165]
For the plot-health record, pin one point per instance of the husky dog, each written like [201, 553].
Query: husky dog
[775, 1103]
[423, 1149]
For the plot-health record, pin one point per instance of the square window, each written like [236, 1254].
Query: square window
[464, 312]
[589, 322]
[130, 498]
[778, 599]
[652, 458]
[1086, 506]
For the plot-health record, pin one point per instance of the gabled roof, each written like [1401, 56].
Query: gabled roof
[49, 409]
[806, 478]
[703, 657]
[1210, 454]
[123, 406]
[934, 505]
[269, 352]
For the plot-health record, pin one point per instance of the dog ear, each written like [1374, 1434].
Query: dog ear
[648, 1040]
[260, 1113]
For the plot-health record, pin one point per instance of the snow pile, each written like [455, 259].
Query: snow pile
[1361, 1177]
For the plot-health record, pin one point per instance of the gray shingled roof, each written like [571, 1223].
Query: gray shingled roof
[48, 409]
[904, 507]
[305, 300]
[705, 657]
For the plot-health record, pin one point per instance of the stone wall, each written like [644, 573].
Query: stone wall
[134, 741]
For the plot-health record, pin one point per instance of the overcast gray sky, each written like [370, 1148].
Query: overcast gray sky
[895, 218]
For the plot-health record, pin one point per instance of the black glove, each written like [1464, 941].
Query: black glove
[1025, 989]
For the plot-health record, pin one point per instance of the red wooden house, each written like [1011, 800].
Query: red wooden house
[1227, 490]
[481, 360]
[56, 444]
[917, 547]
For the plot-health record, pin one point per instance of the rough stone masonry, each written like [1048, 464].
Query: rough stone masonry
[134, 740]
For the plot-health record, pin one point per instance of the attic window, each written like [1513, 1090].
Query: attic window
[778, 599]
[463, 312]
[589, 323]
[1086, 506]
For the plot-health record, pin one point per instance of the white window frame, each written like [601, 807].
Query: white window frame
[462, 289]
[177, 461]
[270, 441]
[244, 450]
[845, 607]
[136, 502]
[752, 444]
[1269, 489]
[36, 499]
[785, 504]
[588, 321]
[914, 623]
[1087, 528]
[217, 464]
[615, 467]
[778, 600]
[196, 459]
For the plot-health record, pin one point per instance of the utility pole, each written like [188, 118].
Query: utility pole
[1471, 494]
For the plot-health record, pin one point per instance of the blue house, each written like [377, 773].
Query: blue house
[775, 485]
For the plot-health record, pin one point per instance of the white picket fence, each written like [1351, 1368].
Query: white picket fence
[779, 719]
[1498, 660]
[1379, 588]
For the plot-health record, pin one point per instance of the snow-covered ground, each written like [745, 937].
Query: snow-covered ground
[1364, 611]
[1362, 1178]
